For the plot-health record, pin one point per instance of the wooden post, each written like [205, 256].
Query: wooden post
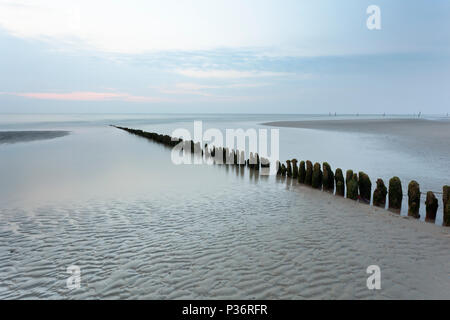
[289, 168]
[309, 171]
[348, 178]
[395, 194]
[413, 199]
[379, 195]
[294, 169]
[352, 187]
[432, 206]
[302, 172]
[446, 201]
[340, 183]
[365, 187]
[328, 178]
[317, 176]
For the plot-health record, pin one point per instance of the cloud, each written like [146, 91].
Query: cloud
[229, 74]
[85, 96]
[187, 88]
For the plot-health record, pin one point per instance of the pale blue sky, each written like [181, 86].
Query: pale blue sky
[286, 56]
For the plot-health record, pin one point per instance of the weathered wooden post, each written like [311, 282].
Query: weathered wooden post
[328, 178]
[340, 183]
[365, 187]
[258, 162]
[317, 176]
[309, 171]
[432, 206]
[242, 159]
[289, 168]
[302, 172]
[352, 187]
[413, 199]
[278, 166]
[251, 160]
[446, 201]
[379, 195]
[294, 169]
[348, 178]
[395, 194]
[283, 170]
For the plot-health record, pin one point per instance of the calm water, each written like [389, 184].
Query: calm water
[140, 227]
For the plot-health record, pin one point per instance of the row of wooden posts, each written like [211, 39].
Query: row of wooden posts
[357, 186]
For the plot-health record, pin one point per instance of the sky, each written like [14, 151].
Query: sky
[224, 56]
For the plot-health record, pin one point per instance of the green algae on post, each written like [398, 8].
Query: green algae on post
[352, 187]
[379, 195]
[413, 199]
[309, 171]
[317, 176]
[302, 172]
[328, 178]
[365, 187]
[294, 169]
[340, 183]
[431, 207]
[395, 194]
[446, 203]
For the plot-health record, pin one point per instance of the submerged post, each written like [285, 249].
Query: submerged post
[379, 195]
[340, 183]
[395, 194]
[431, 207]
[413, 199]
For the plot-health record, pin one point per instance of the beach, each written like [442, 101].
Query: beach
[140, 227]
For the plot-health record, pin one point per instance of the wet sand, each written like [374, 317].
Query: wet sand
[413, 128]
[27, 136]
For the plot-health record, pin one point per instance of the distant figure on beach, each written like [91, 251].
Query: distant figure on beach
[418, 116]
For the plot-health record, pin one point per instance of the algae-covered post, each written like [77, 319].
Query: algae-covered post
[340, 183]
[379, 195]
[294, 169]
[348, 179]
[301, 172]
[413, 199]
[365, 187]
[446, 201]
[317, 176]
[395, 194]
[431, 207]
[328, 178]
[352, 187]
[309, 171]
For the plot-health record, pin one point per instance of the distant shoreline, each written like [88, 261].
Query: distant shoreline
[10, 137]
